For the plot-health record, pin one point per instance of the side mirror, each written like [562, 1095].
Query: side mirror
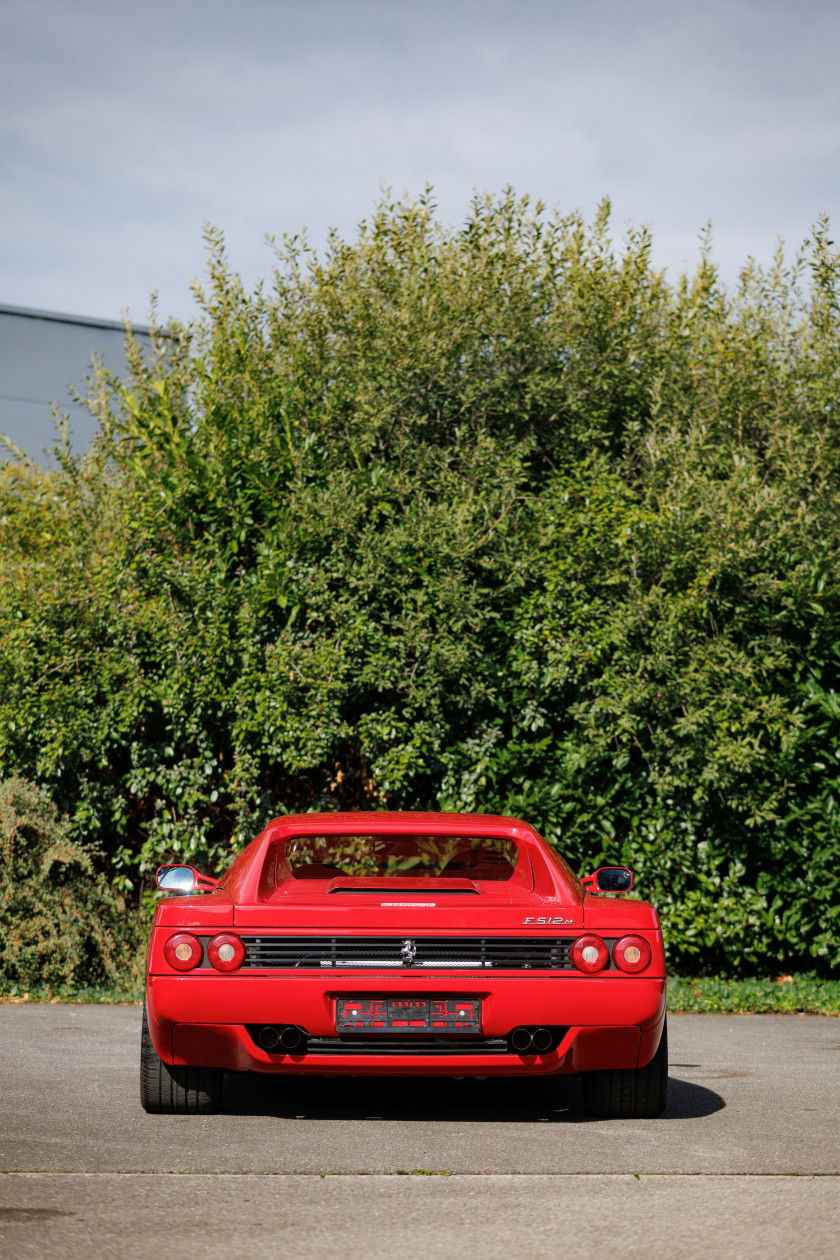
[183, 879]
[610, 879]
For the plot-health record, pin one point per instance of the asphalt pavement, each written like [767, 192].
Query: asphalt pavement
[744, 1163]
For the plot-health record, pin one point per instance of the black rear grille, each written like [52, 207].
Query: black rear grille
[399, 1045]
[429, 953]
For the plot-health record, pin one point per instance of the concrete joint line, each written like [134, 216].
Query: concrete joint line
[417, 1174]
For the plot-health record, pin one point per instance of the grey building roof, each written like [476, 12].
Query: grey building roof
[43, 353]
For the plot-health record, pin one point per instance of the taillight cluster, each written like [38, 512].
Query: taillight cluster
[589, 953]
[183, 952]
[631, 953]
[224, 952]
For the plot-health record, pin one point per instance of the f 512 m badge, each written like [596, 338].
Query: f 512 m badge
[546, 922]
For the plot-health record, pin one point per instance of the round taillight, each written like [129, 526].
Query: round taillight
[183, 952]
[589, 953]
[632, 953]
[226, 952]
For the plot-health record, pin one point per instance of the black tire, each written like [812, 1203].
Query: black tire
[629, 1093]
[175, 1091]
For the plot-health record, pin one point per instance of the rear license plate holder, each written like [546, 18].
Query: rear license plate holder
[441, 1017]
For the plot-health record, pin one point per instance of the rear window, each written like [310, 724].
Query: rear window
[398, 857]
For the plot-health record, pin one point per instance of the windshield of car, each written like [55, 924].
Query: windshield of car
[402, 856]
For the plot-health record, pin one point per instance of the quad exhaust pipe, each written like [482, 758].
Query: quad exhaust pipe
[520, 1039]
[532, 1040]
[285, 1039]
[542, 1039]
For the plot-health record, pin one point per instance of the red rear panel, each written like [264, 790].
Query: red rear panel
[370, 933]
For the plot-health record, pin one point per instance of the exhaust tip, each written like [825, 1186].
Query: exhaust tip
[542, 1040]
[520, 1039]
[268, 1037]
[291, 1038]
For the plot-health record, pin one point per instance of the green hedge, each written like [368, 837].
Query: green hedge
[492, 517]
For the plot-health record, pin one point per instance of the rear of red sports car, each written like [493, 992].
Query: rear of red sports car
[404, 944]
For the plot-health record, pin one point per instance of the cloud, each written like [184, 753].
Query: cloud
[124, 128]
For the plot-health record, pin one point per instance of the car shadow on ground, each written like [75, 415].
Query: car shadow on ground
[423, 1099]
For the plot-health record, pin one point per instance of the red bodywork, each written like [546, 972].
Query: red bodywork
[204, 1017]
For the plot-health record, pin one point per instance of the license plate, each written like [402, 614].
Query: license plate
[449, 1016]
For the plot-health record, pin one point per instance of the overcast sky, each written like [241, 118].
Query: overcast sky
[124, 126]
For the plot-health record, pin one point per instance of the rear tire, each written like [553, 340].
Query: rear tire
[166, 1090]
[629, 1093]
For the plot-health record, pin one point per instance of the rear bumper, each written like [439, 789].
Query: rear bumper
[612, 1021]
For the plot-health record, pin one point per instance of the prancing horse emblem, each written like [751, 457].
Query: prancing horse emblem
[408, 952]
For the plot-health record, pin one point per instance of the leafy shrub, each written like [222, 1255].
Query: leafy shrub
[491, 518]
[60, 924]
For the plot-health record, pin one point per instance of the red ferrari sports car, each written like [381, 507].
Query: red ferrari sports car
[404, 944]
